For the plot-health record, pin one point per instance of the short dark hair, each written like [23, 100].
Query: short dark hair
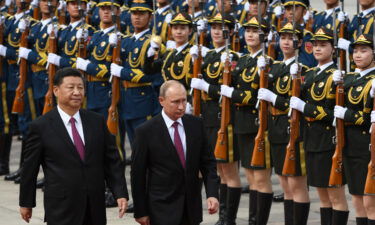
[66, 72]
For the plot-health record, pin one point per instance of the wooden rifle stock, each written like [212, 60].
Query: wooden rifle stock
[310, 23]
[289, 168]
[221, 147]
[271, 48]
[48, 100]
[19, 101]
[236, 42]
[36, 13]
[370, 180]
[112, 121]
[258, 157]
[197, 74]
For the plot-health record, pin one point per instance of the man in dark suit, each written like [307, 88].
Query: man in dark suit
[169, 152]
[78, 156]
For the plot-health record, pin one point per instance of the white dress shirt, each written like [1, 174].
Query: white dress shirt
[323, 67]
[181, 130]
[138, 35]
[66, 120]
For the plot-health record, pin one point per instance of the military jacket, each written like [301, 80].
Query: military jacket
[125, 21]
[322, 20]
[161, 24]
[360, 24]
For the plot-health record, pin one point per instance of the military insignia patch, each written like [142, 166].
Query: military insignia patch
[308, 47]
[321, 84]
[359, 89]
[285, 78]
[180, 63]
[216, 64]
[136, 50]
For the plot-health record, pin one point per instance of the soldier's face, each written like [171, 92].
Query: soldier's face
[363, 56]
[193, 2]
[105, 13]
[174, 102]
[180, 33]
[323, 51]
[331, 2]
[227, 5]
[286, 44]
[163, 2]
[70, 93]
[23, 4]
[140, 19]
[366, 3]
[43, 4]
[254, 8]
[73, 9]
[252, 37]
[300, 12]
[217, 34]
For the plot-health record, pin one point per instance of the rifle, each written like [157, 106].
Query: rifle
[19, 101]
[52, 48]
[310, 22]
[221, 147]
[36, 12]
[82, 53]
[370, 179]
[258, 156]
[113, 121]
[271, 45]
[335, 179]
[235, 38]
[289, 168]
[154, 37]
[62, 16]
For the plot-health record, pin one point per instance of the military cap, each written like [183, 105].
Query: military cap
[76, 1]
[287, 28]
[253, 22]
[141, 5]
[256, 1]
[117, 3]
[218, 18]
[323, 34]
[304, 3]
[364, 39]
[181, 18]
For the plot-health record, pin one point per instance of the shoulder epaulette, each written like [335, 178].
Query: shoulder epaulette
[331, 70]
[309, 69]
[277, 62]
[352, 73]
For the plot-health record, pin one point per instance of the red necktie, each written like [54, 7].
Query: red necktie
[178, 144]
[77, 139]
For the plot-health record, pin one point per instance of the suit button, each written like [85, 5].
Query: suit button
[142, 93]
[327, 128]
[363, 132]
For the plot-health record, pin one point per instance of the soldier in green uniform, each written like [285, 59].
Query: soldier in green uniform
[244, 90]
[316, 103]
[296, 203]
[212, 71]
[356, 114]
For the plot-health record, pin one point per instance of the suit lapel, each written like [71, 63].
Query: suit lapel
[86, 131]
[189, 142]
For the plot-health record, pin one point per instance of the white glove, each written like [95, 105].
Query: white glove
[3, 50]
[339, 112]
[168, 18]
[82, 33]
[293, 69]
[188, 109]
[247, 7]
[372, 91]
[24, 52]
[116, 70]
[62, 5]
[226, 91]
[154, 45]
[297, 103]
[171, 44]
[150, 52]
[22, 25]
[8, 3]
[88, 6]
[343, 44]
[53, 59]
[372, 116]
[261, 62]
[52, 27]
[223, 57]
[194, 51]
[270, 36]
[278, 11]
[199, 84]
[337, 76]
[34, 4]
[342, 16]
[306, 17]
[201, 26]
[82, 64]
[112, 39]
[267, 95]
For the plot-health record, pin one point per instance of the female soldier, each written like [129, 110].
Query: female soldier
[212, 71]
[356, 115]
[318, 96]
[296, 203]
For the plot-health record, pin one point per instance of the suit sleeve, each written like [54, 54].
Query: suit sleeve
[32, 160]
[114, 172]
[139, 174]
[208, 168]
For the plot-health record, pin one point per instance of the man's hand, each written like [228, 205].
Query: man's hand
[122, 206]
[212, 205]
[26, 213]
[143, 220]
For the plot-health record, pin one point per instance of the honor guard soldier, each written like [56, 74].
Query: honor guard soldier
[14, 27]
[243, 93]
[95, 18]
[69, 37]
[324, 18]
[358, 89]
[296, 203]
[125, 21]
[316, 104]
[163, 16]
[179, 6]
[213, 77]
[139, 97]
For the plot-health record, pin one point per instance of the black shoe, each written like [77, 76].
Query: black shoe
[17, 180]
[245, 189]
[130, 208]
[128, 161]
[278, 198]
[222, 204]
[110, 200]
[40, 183]
[13, 176]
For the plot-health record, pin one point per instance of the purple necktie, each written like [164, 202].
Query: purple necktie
[178, 144]
[77, 139]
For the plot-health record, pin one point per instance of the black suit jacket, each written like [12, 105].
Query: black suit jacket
[161, 187]
[70, 183]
